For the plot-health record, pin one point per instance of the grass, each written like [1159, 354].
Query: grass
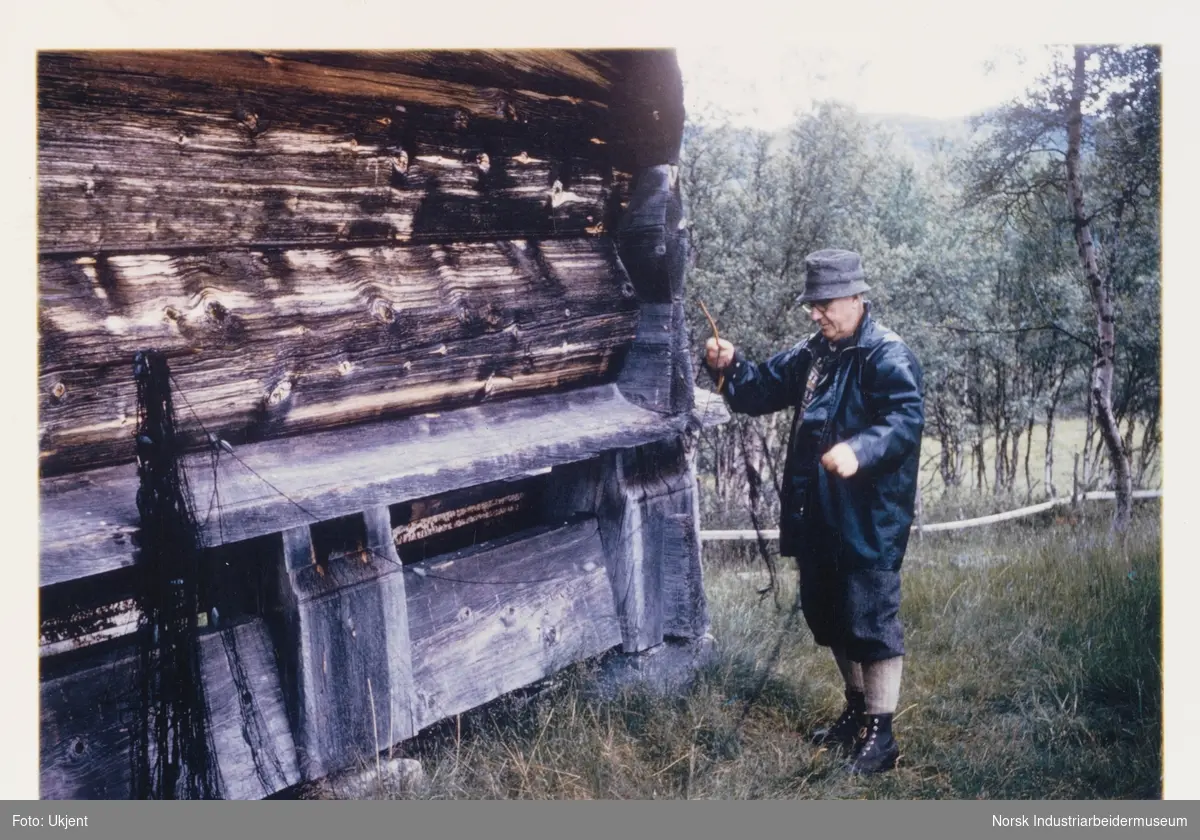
[1033, 672]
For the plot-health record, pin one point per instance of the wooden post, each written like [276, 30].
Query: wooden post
[346, 623]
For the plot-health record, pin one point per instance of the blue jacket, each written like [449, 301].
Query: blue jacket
[875, 405]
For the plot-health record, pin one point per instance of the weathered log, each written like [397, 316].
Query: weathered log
[248, 721]
[87, 709]
[145, 151]
[348, 673]
[89, 519]
[657, 371]
[487, 621]
[264, 344]
[646, 508]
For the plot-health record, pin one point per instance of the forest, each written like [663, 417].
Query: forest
[1017, 252]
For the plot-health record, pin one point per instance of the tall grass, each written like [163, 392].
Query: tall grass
[1032, 672]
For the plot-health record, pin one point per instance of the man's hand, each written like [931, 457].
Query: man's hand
[718, 354]
[840, 460]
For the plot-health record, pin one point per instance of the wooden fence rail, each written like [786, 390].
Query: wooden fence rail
[773, 533]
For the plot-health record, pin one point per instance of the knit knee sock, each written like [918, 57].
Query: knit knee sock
[881, 681]
[852, 672]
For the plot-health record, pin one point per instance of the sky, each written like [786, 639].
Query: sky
[763, 85]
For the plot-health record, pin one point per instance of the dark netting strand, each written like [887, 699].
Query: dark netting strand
[170, 745]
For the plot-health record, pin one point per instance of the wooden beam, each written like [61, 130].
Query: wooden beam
[652, 235]
[266, 344]
[248, 722]
[349, 676]
[144, 151]
[658, 369]
[647, 513]
[89, 519]
[488, 621]
[636, 579]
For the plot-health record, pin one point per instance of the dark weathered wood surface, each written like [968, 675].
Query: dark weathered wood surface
[87, 710]
[88, 519]
[514, 613]
[86, 715]
[256, 755]
[653, 243]
[653, 559]
[141, 151]
[652, 235]
[352, 684]
[266, 344]
[657, 371]
[635, 574]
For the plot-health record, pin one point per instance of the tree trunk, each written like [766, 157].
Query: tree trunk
[1051, 490]
[1028, 452]
[1101, 291]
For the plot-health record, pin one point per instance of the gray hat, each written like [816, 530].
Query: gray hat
[832, 273]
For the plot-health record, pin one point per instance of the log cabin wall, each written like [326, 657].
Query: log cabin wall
[431, 303]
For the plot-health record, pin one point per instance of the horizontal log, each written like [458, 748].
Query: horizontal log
[263, 344]
[587, 74]
[146, 151]
[489, 621]
[89, 519]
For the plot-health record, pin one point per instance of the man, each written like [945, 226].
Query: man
[849, 487]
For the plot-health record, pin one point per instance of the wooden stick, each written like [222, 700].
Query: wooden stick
[717, 336]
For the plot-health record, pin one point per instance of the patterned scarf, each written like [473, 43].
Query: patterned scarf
[817, 372]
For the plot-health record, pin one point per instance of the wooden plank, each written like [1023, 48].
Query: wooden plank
[87, 626]
[89, 519]
[265, 344]
[247, 717]
[351, 686]
[648, 513]
[626, 529]
[87, 709]
[398, 650]
[484, 623]
[141, 151]
[84, 733]
[685, 606]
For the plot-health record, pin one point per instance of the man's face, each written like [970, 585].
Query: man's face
[838, 318]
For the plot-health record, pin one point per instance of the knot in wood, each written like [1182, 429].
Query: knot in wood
[484, 162]
[59, 390]
[400, 162]
[171, 313]
[216, 310]
[280, 393]
[383, 311]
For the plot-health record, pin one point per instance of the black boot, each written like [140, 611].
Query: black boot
[844, 732]
[877, 750]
